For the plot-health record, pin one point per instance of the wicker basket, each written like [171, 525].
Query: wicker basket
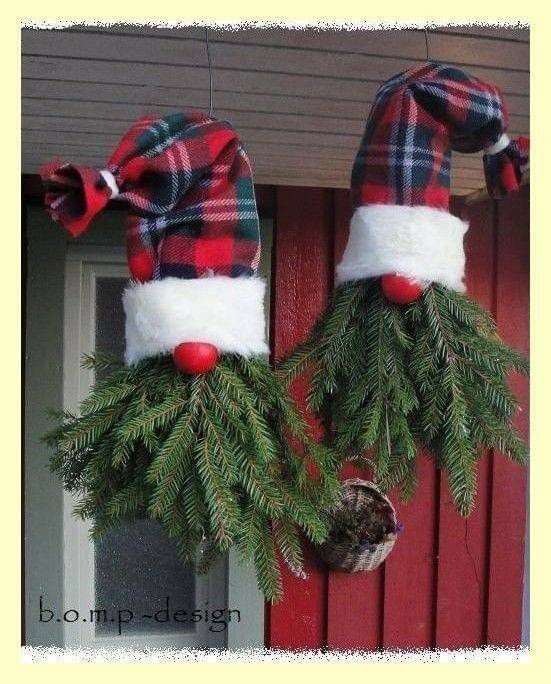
[357, 496]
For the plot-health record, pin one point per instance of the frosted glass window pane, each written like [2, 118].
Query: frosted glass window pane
[136, 564]
[110, 316]
[137, 568]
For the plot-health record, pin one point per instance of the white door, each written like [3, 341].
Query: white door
[128, 590]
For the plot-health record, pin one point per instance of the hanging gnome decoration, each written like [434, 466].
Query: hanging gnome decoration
[192, 430]
[431, 374]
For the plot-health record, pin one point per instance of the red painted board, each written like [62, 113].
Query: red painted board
[301, 279]
[508, 479]
[355, 601]
[463, 543]
[410, 570]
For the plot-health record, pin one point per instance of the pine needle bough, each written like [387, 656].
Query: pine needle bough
[210, 456]
[391, 380]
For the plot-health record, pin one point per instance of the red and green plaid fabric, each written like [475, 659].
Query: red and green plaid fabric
[188, 185]
[417, 119]
[504, 171]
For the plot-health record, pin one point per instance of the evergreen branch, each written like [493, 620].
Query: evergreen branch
[390, 380]
[207, 456]
[288, 542]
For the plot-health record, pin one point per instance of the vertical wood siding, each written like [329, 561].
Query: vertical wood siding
[301, 281]
[450, 582]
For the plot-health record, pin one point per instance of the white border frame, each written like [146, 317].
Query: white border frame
[83, 266]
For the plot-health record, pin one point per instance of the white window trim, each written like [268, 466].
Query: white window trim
[83, 265]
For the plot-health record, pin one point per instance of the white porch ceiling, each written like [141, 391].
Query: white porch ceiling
[299, 99]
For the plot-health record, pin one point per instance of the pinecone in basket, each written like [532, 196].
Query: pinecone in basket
[362, 528]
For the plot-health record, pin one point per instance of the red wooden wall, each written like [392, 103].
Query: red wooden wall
[450, 582]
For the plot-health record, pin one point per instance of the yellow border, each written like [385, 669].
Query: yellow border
[289, 11]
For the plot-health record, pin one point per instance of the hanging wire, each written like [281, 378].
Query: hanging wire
[427, 43]
[211, 80]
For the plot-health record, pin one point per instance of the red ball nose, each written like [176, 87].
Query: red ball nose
[194, 358]
[400, 289]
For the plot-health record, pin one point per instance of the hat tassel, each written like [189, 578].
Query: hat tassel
[505, 166]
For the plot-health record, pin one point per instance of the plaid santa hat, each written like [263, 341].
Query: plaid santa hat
[401, 175]
[193, 238]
